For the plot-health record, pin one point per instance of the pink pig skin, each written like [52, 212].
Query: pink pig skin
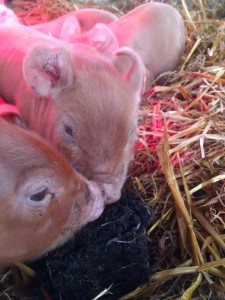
[43, 200]
[7, 110]
[70, 25]
[76, 99]
[7, 16]
[154, 30]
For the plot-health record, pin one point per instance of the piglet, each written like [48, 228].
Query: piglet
[75, 98]
[154, 30]
[43, 200]
[71, 25]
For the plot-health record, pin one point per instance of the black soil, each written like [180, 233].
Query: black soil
[111, 253]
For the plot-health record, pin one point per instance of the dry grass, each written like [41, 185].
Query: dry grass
[179, 168]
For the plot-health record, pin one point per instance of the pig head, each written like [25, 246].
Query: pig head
[76, 99]
[154, 30]
[43, 200]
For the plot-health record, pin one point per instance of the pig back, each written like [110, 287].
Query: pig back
[156, 32]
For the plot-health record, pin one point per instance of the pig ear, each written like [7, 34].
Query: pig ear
[7, 16]
[70, 29]
[102, 39]
[131, 67]
[48, 70]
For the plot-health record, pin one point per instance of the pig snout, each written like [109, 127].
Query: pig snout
[108, 184]
[113, 194]
[97, 198]
[86, 207]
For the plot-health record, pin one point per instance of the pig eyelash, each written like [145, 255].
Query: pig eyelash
[40, 196]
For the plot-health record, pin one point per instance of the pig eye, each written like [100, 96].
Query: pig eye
[69, 133]
[42, 195]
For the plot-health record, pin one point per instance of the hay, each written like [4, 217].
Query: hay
[179, 166]
[34, 12]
